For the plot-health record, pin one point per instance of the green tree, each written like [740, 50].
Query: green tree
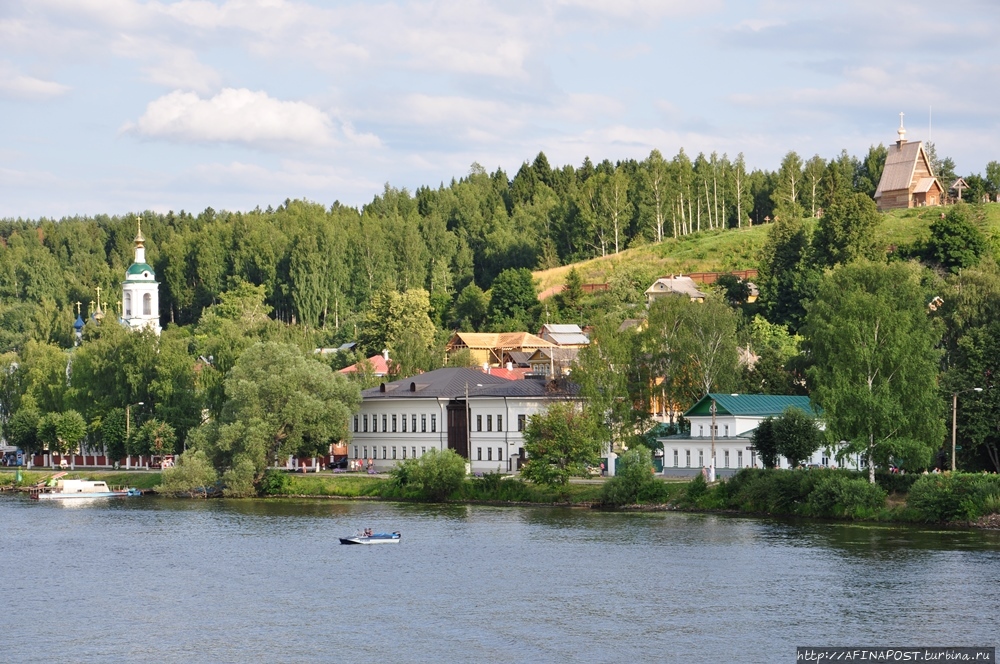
[514, 301]
[156, 438]
[956, 243]
[279, 403]
[765, 442]
[62, 432]
[875, 360]
[633, 477]
[470, 308]
[393, 315]
[787, 196]
[787, 277]
[846, 231]
[796, 436]
[112, 431]
[22, 429]
[561, 441]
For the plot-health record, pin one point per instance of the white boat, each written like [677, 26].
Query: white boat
[373, 538]
[82, 489]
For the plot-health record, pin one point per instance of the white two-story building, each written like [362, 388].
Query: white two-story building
[479, 415]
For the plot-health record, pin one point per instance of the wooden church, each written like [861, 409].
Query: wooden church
[907, 179]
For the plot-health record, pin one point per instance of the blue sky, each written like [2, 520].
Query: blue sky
[112, 106]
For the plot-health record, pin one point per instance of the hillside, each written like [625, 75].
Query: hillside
[722, 251]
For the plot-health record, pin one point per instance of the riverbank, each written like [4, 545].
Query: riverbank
[962, 499]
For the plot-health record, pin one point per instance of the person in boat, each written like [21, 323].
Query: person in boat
[368, 532]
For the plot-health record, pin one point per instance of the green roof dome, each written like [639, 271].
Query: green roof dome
[139, 268]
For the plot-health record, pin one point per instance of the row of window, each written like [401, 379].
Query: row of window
[398, 423]
[147, 304]
[385, 452]
[701, 459]
[701, 430]
[521, 419]
[489, 454]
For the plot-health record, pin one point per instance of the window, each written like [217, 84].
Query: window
[366, 451]
[423, 451]
[479, 454]
[687, 456]
[404, 423]
[479, 422]
[499, 422]
[499, 454]
[384, 452]
[414, 452]
[414, 429]
[394, 423]
[404, 450]
[701, 458]
[128, 304]
[147, 305]
[701, 431]
[384, 422]
[727, 434]
[355, 451]
[520, 422]
[489, 423]
[434, 423]
[739, 458]
[676, 461]
[374, 423]
[393, 451]
[489, 454]
[366, 427]
[423, 424]
[725, 458]
[355, 426]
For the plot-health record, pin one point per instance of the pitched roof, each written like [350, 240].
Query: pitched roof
[675, 285]
[517, 373]
[498, 340]
[442, 383]
[555, 354]
[753, 405]
[530, 387]
[378, 362]
[925, 185]
[900, 163]
[560, 328]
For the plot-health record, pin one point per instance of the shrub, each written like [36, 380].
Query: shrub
[193, 475]
[275, 483]
[953, 496]
[633, 475]
[696, 488]
[239, 480]
[839, 495]
[435, 475]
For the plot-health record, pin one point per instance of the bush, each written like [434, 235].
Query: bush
[192, 476]
[633, 475]
[846, 497]
[696, 488]
[275, 483]
[435, 475]
[953, 496]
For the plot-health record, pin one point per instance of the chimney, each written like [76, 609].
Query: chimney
[385, 354]
[486, 367]
[510, 366]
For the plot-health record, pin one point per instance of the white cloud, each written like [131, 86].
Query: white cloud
[16, 85]
[233, 116]
[168, 65]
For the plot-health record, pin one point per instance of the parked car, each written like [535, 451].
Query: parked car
[340, 464]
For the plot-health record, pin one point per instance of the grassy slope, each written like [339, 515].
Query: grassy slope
[720, 251]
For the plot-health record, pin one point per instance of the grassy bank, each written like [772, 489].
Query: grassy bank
[138, 480]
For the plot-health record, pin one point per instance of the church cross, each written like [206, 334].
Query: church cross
[98, 297]
[78, 308]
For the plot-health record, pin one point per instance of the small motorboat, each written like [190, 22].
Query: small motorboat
[369, 537]
[80, 490]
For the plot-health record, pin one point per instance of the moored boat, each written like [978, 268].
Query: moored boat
[369, 537]
[82, 489]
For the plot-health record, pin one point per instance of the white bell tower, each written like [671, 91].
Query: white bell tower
[140, 291]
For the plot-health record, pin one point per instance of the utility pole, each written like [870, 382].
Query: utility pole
[711, 463]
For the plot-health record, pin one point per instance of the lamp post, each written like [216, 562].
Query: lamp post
[128, 422]
[954, 420]
[711, 462]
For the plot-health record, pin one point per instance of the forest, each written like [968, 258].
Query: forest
[407, 269]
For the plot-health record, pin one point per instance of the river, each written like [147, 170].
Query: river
[161, 580]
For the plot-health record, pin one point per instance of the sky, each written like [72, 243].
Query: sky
[117, 106]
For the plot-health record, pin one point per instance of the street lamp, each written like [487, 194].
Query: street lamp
[954, 419]
[128, 426]
[711, 463]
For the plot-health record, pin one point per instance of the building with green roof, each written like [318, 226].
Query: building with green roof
[140, 291]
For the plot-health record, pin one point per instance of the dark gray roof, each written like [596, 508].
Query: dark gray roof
[442, 383]
[529, 387]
